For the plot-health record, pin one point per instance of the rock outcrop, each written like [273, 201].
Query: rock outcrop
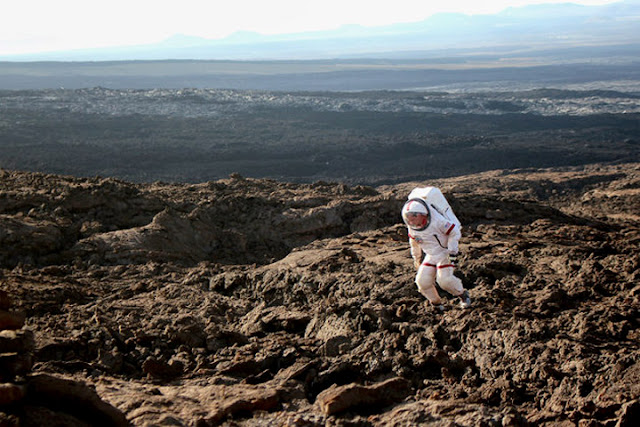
[30, 399]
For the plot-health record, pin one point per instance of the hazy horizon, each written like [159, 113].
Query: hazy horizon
[68, 25]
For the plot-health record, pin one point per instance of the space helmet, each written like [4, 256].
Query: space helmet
[415, 214]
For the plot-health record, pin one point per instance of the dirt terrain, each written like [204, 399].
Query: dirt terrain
[248, 302]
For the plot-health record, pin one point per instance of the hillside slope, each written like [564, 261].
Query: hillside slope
[255, 302]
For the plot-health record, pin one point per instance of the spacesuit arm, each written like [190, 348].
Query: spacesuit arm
[454, 234]
[416, 252]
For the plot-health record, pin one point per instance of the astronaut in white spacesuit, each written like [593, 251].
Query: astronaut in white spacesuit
[435, 233]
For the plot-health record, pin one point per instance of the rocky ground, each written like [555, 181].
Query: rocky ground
[253, 302]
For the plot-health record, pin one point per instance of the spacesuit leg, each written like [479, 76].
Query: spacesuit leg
[426, 282]
[448, 281]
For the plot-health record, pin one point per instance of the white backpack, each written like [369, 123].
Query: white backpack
[435, 200]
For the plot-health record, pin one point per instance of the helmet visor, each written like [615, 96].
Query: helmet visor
[417, 221]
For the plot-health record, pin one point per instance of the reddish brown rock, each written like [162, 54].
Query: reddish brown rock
[245, 301]
[11, 320]
[339, 399]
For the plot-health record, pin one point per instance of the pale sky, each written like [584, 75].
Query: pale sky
[31, 26]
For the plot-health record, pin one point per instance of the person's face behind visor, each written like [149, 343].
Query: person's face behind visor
[416, 220]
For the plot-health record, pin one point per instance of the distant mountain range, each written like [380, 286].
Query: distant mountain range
[535, 27]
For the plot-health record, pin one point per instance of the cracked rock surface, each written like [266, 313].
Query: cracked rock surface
[255, 302]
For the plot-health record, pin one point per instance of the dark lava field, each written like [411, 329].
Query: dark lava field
[197, 135]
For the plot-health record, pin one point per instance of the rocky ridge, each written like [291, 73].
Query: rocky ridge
[256, 302]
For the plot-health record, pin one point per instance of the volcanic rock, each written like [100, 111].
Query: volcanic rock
[255, 302]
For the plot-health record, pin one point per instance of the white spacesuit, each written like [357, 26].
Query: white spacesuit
[434, 231]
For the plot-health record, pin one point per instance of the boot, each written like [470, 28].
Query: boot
[465, 301]
[438, 308]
